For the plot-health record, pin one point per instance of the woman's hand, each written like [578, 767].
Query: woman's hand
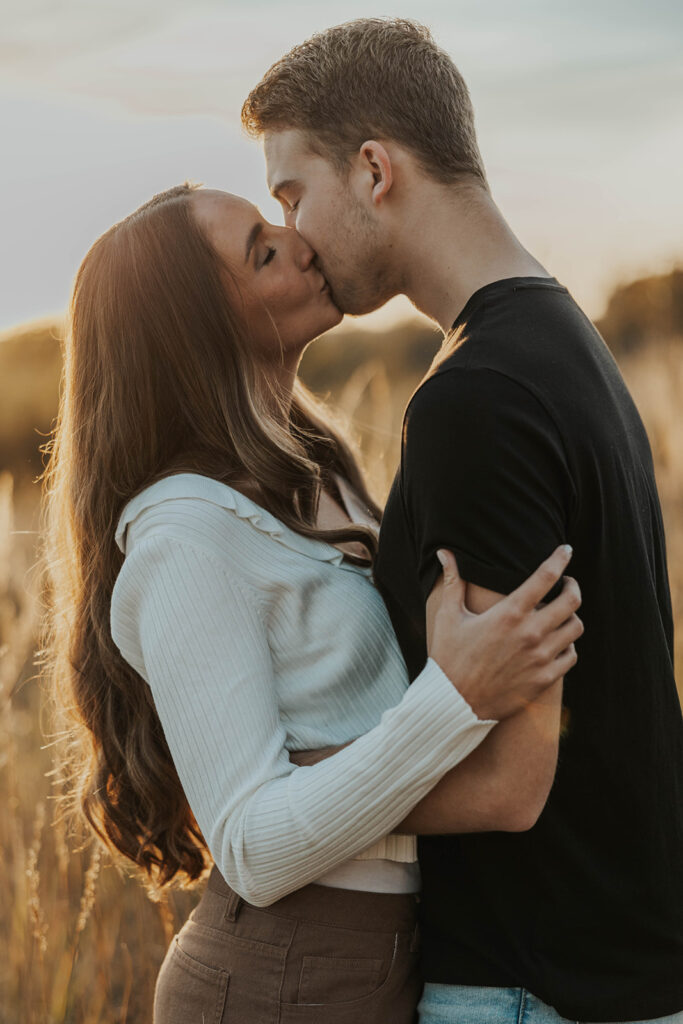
[505, 657]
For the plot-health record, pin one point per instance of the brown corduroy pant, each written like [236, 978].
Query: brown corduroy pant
[319, 955]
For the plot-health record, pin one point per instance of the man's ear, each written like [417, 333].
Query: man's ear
[374, 157]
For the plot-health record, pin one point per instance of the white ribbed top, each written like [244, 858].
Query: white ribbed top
[255, 641]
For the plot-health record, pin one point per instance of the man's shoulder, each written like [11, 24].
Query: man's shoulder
[459, 393]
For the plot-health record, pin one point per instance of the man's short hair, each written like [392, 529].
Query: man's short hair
[372, 78]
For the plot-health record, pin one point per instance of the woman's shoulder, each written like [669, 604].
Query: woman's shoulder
[198, 512]
[182, 503]
[184, 555]
[181, 523]
[203, 512]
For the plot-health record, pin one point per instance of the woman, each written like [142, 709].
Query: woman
[211, 543]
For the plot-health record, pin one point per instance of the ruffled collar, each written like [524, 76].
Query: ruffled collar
[196, 485]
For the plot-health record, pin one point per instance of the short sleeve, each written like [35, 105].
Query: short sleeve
[484, 474]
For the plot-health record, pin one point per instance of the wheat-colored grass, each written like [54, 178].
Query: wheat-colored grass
[81, 941]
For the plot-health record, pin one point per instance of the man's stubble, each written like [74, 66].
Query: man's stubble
[357, 269]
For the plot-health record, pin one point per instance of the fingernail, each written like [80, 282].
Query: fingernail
[441, 556]
[568, 550]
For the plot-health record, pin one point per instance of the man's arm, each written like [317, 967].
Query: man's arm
[503, 784]
[484, 474]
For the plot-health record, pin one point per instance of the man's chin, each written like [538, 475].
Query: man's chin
[356, 305]
[339, 317]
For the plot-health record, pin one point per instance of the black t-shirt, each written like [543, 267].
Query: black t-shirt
[524, 437]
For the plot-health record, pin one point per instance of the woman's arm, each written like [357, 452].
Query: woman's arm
[504, 784]
[194, 632]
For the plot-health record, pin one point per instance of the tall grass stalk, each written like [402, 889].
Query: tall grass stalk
[81, 940]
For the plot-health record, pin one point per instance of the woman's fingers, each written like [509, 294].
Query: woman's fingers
[449, 565]
[507, 656]
[563, 637]
[564, 662]
[554, 670]
[453, 584]
[533, 590]
[561, 608]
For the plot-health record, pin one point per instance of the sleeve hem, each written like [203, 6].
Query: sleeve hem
[480, 574]
[432, 669]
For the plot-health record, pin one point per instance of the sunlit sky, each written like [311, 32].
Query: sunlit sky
[579, 113]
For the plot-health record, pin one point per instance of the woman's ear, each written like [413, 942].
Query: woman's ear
[375, 158]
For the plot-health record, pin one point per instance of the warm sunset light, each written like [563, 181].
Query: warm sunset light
[578, 115]
[341, 512]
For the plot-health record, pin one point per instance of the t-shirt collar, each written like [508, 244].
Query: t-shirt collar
[496, 287]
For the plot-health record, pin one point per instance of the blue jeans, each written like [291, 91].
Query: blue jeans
[465, 1004]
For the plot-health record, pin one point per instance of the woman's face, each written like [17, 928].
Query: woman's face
[277, 291]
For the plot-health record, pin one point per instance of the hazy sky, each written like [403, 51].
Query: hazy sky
[102, 104]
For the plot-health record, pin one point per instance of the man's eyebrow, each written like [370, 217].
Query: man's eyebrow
[281, 186]
[253, 235]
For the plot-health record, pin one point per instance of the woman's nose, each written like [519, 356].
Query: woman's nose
[306, 254]
[299, 249]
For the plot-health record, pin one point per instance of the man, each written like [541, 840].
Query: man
[522, 436]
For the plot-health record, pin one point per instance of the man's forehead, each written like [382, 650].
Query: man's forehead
[286, 151]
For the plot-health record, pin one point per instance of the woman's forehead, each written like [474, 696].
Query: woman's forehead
[226, 202]
[226, 218]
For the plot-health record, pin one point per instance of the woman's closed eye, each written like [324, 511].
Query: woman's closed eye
[269, 255]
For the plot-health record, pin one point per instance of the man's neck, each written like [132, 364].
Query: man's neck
[453, 243]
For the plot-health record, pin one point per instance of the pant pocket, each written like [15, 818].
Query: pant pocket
[187, 990]
[328, 979]
[381, 987]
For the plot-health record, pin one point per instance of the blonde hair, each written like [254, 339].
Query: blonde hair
[372, 78]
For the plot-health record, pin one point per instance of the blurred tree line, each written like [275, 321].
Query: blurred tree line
[642, 313]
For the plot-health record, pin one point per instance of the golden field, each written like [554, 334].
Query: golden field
[81, 941]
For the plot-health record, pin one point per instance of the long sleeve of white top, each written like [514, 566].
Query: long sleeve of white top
[196, 635]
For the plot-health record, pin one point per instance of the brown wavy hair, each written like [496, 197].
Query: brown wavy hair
[158, 378]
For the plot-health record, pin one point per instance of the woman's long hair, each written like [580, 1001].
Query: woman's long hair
[158, 378]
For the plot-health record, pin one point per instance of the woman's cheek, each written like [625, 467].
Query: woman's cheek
[280, 294]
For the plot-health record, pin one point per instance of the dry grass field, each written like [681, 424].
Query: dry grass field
[80, 939]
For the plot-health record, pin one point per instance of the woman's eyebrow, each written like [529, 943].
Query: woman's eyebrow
[253, 235]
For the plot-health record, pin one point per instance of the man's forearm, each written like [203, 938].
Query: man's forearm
[503, 784]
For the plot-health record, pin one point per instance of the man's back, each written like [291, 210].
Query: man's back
[523, 437]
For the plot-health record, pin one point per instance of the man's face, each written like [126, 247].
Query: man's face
[334, 215]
